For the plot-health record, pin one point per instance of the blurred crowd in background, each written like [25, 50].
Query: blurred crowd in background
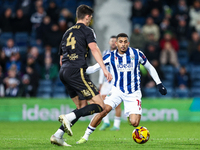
[167, 31]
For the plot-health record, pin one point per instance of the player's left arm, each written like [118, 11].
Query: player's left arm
[152, 71]
[97, 67]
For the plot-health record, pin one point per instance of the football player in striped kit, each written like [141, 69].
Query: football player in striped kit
[105, 88]
[124, 65]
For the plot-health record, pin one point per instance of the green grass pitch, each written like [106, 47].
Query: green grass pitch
[163, 136]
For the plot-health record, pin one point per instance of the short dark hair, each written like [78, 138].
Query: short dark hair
[113, 36]
[122, 35]
[83, 10]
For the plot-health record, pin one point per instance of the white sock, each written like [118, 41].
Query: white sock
[59, 133]
[71, 116]
[117, 122]
[88, 131]
[106, 119]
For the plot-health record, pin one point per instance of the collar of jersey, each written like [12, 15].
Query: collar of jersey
[127, 53]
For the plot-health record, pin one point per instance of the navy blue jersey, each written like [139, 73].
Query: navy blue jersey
[74, 46]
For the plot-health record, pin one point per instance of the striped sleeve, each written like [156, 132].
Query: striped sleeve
[142, 58]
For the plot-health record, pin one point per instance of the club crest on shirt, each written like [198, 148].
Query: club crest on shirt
[132, 57]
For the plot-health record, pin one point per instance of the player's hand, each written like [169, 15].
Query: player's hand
[162, 89]
[108, 75]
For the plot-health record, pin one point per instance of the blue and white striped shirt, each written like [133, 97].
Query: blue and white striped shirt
[125, 69]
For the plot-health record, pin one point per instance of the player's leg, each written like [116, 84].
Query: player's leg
[106, 122]
[111, 102]
[94, 123]
[117, 120]
[132, 108]
[134, 119]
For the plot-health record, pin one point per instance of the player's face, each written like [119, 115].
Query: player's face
[88, 19]
[122, 44]
[112, 43]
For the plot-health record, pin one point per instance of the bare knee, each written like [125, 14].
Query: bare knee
[134, 123]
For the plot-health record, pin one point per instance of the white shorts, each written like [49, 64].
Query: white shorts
[106, 88]
[132, 102]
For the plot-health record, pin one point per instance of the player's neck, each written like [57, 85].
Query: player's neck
[82, 21]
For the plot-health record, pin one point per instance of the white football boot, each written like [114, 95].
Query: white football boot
[62, 119]
[58, 141]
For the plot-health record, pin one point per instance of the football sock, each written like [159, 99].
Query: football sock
[117, 122]
[106, 119]
[88, 131]
[59, 133]
[88, 110]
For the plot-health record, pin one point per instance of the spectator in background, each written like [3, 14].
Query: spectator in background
[155, 4]
[182, 30]
[67, 17]
[34, 60]
[156, 16]
[194, 14]
[53, 37]
[182, 78]
[50, 70]
[21, 23]
[53, 11]
[138, 12]
[181, 12]
[147, 80]
[6, 21]
[151, 28]
[12, 83]
[44, 28]
[168, 55]
[194, 42]
[168, 37]
[27, 6]
[48, 53]
[9, 50]
[2, 88]
[37, 17]
[13, 60]
[34, 80]
[165, 25]
[152, 52]
[137, 38]
[195, 56]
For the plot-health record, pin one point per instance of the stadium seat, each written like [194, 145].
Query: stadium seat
[59, 95]
[45, 82]
[167, 69]
[195, 92]
[170, 93]
[183, 44]
[59, 89]
[45, 89]
[196, 84]
[4, 37]
[138, 20]
[150, 92]
[168, 83]
[182, 93]
[195, 71]
[21, 38]
[44, 95]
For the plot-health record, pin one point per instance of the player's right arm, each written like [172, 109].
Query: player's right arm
[98, 57]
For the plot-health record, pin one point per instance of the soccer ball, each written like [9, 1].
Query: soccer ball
[141, 135]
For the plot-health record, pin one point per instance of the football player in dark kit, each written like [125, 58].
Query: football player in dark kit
[73, 54]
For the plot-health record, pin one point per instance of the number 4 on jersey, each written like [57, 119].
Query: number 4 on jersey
[71, 41]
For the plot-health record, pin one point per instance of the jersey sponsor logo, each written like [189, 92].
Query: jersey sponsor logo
[125, 67]
[72, 56]
[86, 93]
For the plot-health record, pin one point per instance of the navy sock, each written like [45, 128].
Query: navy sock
[88, 110]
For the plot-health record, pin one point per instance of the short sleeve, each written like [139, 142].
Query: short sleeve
[60, 50]
[106, 59]
[142, 58]
[90, 36]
